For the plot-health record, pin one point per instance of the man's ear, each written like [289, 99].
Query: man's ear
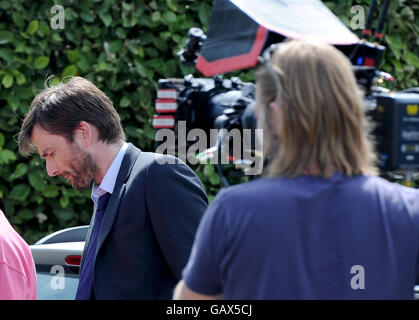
[83, 134]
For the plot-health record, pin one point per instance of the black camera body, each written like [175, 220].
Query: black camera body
[207, 104]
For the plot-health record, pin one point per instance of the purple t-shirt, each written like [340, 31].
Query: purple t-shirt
[309, 238]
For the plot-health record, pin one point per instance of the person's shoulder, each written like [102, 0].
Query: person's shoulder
[385, 186]
[158, 160]
[168, 170]
[394, 193]
[247, 191]
[150, 164]
[147, 157]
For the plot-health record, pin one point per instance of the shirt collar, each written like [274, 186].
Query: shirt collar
[108, 182]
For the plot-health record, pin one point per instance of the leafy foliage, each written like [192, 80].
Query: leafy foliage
[401, 36]
[123, 47]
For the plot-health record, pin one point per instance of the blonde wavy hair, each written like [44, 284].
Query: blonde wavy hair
[322, 128]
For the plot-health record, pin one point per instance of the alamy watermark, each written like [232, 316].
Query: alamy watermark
[58, 280]
[58, 20]
[236, 146]
[358, 19]
[358, 280]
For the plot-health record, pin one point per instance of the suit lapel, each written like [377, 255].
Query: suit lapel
[131, 155]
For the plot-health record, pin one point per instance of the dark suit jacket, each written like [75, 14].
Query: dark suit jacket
[148, 228]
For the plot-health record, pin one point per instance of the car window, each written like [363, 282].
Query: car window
[53, 286]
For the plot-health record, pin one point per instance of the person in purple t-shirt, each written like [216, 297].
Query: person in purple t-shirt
[322, 224]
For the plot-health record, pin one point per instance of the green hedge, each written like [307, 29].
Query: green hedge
[124, 47]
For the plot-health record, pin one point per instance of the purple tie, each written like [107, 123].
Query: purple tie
[85, 289]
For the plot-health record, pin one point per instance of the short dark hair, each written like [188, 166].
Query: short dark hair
[59, 110]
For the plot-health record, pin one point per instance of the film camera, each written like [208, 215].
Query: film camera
[216, 106]
[226, 104]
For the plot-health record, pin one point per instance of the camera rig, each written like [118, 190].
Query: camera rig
[237, 36]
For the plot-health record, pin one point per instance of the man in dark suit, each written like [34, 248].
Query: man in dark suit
[147, 206]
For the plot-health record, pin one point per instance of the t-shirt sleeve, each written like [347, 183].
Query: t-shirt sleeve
[202, 273]
[411, 197]
[417, 270]
[13, 284]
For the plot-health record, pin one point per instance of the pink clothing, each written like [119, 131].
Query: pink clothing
[17, 268]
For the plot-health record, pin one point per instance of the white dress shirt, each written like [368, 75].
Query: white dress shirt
[108, 182]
